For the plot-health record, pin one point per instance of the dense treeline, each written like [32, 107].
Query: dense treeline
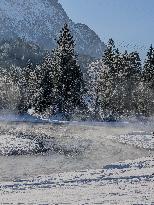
[117, 85]
[54, 86]
[120, 86]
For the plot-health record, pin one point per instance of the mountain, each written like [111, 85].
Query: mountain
[39, 21]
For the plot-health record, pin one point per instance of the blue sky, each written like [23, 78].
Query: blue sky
[129, 22]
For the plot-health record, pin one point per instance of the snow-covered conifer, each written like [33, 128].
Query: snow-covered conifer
[66, 74]
[148, 72]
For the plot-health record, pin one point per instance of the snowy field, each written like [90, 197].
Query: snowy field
[130, 182]
[76, 163]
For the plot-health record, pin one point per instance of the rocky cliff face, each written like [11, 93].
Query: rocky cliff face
[40, 21]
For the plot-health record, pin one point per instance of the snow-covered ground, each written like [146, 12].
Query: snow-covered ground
[129, 182]
[140, 139]
[81, 163]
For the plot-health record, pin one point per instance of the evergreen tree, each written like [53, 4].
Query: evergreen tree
[143, 97]
[27, 84]
[130, 76]
[96, 73]
[109, 59]
[103, 75]
[66, 74]
[44, 97]
[113, 80]
[60, 85]
[110, 78]
[109, 53]
[119, 84]
[148, 71]
[133, 80]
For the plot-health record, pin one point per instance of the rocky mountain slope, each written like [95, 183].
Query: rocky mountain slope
[40, 21]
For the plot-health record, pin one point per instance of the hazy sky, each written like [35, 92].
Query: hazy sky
[131, 21]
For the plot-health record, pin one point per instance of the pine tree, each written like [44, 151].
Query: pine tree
[116, 86]
[66, 74]
[118, 94]
[44, 97]
[109, 57]
[130, 75]
[143, 97]
[133, 80]
[110, 61]
[148, 71]
[60, 86]
[103, 75]
[27, 84]
[96, 74]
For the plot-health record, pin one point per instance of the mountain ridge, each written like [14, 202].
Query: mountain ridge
[40, 21]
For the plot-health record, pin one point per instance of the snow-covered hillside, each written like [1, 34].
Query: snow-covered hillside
[40, 21]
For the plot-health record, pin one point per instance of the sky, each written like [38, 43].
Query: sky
[129, 22]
